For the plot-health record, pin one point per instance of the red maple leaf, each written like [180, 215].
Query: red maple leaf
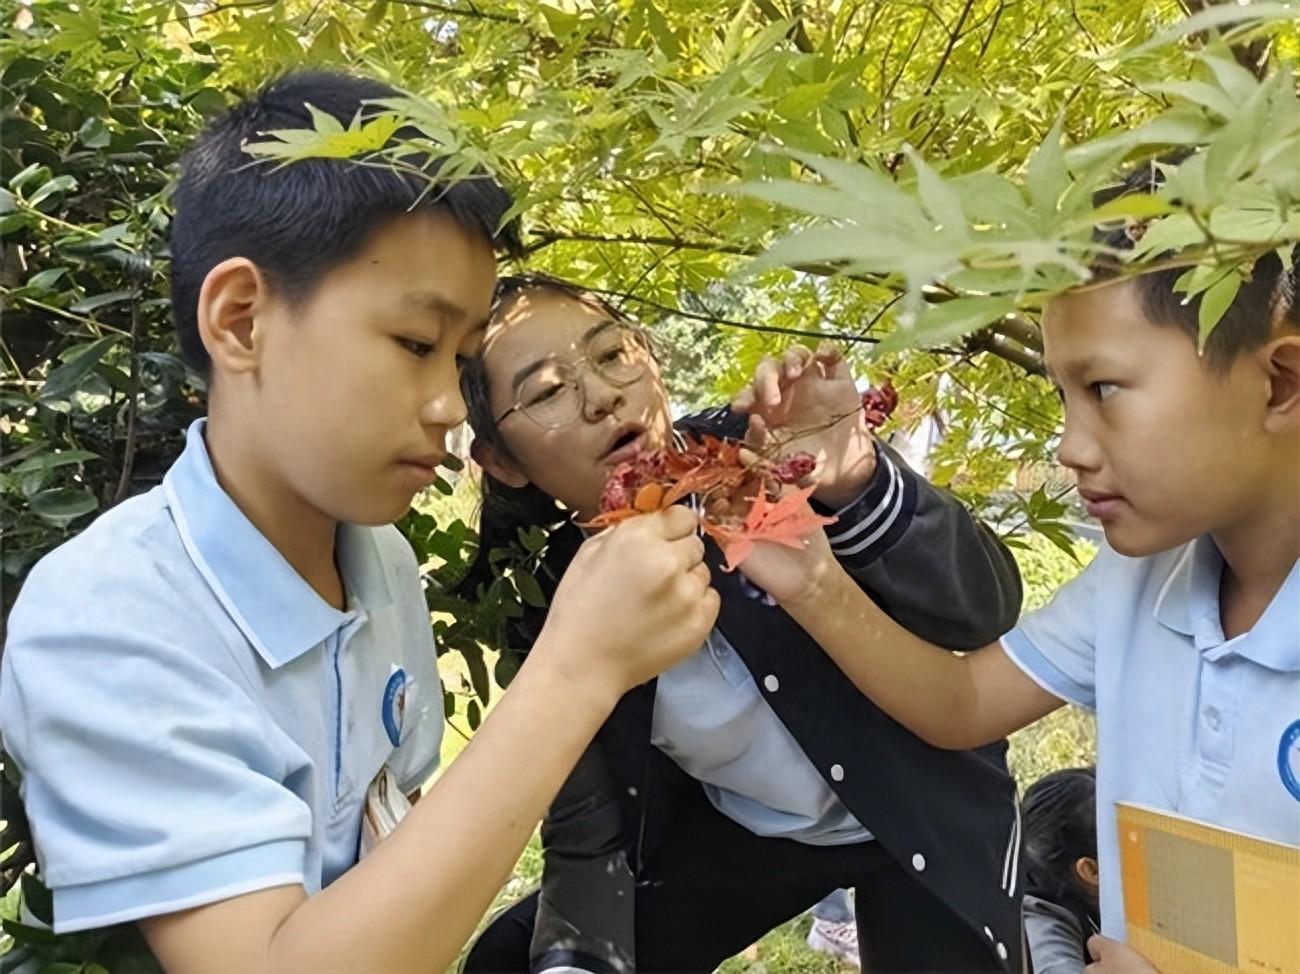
[726, 480]
[786, 521]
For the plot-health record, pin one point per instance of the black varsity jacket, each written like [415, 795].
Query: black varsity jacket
[949, 817]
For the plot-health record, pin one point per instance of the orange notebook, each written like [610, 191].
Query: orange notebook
[1204, 900]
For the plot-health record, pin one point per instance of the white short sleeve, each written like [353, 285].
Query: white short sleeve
[151, 780]
[1056, 645]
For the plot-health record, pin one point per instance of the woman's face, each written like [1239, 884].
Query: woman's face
[582, 394]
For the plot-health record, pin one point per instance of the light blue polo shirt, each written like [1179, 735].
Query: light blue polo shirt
[192, 720]
[1187, 721]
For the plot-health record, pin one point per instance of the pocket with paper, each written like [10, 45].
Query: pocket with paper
[385, 807]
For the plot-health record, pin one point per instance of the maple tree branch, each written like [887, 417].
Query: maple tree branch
[1040, 424]
[1015, 339]
[471, 11]
[1021, 330]
[1252, 55]
[545, 238]
[732, 322]
[798, 34]
[954, 37]
[218, 8]
[1004, 348]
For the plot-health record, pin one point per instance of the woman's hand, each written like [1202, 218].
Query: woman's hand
[807, 401]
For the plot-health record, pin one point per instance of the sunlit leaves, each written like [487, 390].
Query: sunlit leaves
[328, 139]
[1009, 242]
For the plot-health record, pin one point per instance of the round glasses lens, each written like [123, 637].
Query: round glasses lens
[550, 397]
[619, 354]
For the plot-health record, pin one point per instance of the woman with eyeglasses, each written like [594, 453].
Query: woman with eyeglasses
[751, 779]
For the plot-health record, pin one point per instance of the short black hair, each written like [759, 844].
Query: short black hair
[1269, 297]
[299, 221]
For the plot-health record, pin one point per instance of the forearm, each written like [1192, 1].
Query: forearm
[926, 559]
[923, 687]
[414, 902]
[948, 700]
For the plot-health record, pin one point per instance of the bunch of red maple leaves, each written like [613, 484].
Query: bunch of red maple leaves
[743, 497]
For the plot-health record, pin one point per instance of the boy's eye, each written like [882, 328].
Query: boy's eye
[416, 348]
[1103, 390]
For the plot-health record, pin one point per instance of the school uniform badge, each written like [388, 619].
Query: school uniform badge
[393, 706]
[1288, 759]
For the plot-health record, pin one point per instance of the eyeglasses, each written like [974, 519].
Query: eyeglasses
[550, 394]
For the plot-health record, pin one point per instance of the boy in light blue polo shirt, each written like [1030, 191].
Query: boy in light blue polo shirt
[201, 688]
[1183, 635]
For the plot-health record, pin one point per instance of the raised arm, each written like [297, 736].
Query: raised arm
[412, 903]
[920, 553]
[948, 700]
[905, 573]
[925, 559]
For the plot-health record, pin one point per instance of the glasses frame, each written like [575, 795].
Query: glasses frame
[585, 360]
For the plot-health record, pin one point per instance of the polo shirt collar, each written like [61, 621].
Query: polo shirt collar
[1188, 603]
[277, 611]
[1275, 639]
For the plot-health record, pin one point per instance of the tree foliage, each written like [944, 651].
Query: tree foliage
[910, 178]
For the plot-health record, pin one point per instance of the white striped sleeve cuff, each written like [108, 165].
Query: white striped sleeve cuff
[872, 524]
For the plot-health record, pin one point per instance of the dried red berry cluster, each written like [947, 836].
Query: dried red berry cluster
[878, 404]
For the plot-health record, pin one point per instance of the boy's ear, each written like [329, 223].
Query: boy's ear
[1281, 361]
[496, 463]
[232, 295]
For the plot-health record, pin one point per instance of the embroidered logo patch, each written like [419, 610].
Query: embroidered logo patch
[1288, 759]
[393, 707]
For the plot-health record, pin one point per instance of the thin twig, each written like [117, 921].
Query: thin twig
[96, 326]
[875, 319]
[1026, 519]
[731, 322]
[236, 5]
[1039, 425]
[470, 11]
[545, 238]
[132, 408]
[954, 37]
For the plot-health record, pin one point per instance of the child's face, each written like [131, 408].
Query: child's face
[542, 329]
[357, 385]
[1164, 448]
